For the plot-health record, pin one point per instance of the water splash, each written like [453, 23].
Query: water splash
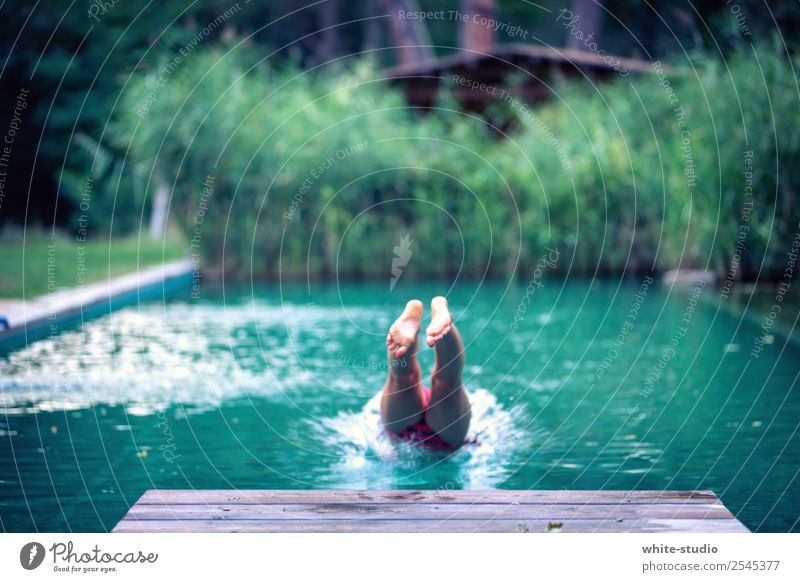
[369, 459]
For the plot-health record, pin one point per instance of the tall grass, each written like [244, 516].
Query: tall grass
[323, 173]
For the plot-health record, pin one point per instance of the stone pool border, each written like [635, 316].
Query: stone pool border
[49, 314]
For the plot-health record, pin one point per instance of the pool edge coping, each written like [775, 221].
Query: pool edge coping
[51, 313]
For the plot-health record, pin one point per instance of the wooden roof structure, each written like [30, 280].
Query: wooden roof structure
[538, 66]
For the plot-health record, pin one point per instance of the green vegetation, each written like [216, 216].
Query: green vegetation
[26, 262]
[327, 172]
[598, 174]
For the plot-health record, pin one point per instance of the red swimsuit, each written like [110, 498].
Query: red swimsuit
[423, 435]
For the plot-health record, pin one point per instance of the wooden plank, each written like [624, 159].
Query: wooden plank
[428, 511]
[345, 511]
[445, 526]
[504, 497]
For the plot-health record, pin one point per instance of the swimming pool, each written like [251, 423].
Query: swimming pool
[574, 385]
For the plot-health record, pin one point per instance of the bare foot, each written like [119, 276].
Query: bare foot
[441, 322]
[404, 330]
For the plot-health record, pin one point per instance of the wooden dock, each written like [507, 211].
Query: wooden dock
[428, 511]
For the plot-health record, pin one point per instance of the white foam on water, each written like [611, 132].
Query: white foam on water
[151, 356]
[370, 459]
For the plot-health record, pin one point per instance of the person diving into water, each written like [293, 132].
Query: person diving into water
[437, 417]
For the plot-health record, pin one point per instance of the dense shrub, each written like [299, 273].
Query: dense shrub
[326, 171]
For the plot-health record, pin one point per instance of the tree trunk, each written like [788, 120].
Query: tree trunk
[472, 35]
[410, 39]
[372, 27]
[158, 212]
[589, 22]
[330, 45]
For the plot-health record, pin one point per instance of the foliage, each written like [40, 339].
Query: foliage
[77, 58]
[603, 174]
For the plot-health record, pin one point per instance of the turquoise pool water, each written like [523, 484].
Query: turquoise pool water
[576, 386]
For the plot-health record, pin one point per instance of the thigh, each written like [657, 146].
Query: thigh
[403, 401]
[449, 413]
